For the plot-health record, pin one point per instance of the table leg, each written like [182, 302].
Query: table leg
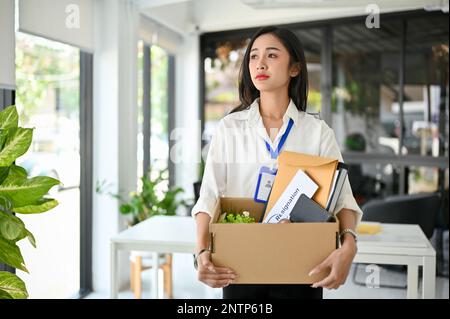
[155, 275]
[429, 277]
[413, 274]
[114, 266]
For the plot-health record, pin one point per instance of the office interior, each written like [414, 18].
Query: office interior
[120, 89]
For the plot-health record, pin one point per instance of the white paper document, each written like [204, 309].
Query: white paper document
[300, 184]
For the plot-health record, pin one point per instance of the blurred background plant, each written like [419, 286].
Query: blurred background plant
[151, 200]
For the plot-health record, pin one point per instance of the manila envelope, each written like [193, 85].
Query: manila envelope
[320, 169]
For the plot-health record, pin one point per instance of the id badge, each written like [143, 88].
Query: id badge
[264, 185]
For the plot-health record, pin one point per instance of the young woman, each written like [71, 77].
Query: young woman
[273, 90]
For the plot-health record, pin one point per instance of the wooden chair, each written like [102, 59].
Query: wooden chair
[140, 261]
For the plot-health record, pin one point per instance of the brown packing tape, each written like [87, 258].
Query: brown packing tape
[320, 169]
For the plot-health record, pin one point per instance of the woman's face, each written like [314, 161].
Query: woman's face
[269, 64]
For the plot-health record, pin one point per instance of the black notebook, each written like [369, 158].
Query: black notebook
[307, 210]
[338, 183]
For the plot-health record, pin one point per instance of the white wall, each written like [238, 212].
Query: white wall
[7, 47]
[115, 129]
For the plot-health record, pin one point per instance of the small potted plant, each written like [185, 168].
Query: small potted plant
[151, 200]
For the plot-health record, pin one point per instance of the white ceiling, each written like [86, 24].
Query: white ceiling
[187, 16]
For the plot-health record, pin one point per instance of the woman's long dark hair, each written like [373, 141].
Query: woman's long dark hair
[298, 87]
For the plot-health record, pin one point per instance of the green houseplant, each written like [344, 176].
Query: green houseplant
[151, 200]
[18, 195]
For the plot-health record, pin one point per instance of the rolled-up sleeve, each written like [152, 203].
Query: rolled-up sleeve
[214, 176]
[330, 148]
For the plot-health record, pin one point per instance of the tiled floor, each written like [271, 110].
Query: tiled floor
[186, 285]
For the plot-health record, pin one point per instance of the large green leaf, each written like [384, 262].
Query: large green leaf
[12, 285]
[5, 204]
[31, 238]
[11, 227]
[3, 136]
[10, 254]
[17, 143]
[4, 171]
[9, 118]
[16, 175]
[26, 192]
[26, 234]
[5, 295]
[40, 206]
[17, 172]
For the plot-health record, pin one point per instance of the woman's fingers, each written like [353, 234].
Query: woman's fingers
[218, 283]
[219, 276]
[216, 277]
[222, 270]
[222, 277]
[216, 280]
[328, 281]
[209, 267]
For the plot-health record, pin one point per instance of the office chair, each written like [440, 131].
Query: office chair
[442, 226]
[197, 187]
[140, 261]
[420, 209]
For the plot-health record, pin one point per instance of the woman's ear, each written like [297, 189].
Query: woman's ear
[295, 70]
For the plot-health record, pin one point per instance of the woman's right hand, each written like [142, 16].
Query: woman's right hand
[215, 277]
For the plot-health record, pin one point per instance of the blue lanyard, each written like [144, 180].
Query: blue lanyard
[274, 154]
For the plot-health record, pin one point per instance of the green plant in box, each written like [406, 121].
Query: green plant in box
[235, 218]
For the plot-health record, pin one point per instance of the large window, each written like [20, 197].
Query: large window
[140, 113]
[159, 134]
[365, 98]
[311, 39]
[153, 110]
[389, 94]
[425, 110]
[221, 69]
[48, 86]
[365, 86]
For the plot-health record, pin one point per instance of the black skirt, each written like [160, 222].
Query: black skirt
[272, 291]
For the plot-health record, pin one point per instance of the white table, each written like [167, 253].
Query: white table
[159, 234]
[396, 245]
[399, 244]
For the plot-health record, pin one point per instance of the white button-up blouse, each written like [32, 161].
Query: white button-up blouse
[237, 152]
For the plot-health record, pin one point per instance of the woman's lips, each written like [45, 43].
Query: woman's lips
[262, 77]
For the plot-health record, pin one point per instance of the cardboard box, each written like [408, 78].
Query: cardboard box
[270, 253]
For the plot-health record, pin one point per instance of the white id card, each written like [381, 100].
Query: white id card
[264, 185]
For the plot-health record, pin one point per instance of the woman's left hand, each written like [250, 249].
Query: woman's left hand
[339, 261]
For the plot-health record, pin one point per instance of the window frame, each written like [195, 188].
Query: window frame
[147, 105]
[7, 98]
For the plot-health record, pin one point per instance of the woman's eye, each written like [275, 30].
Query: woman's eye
[271, 55]
[253, 56]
